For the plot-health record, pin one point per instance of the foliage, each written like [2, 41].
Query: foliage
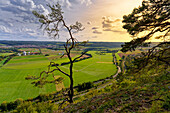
[45, 97]
[151, 18]
[84, 86]
[29, 107]
[146, 91]
[46, 55]
[8, 106]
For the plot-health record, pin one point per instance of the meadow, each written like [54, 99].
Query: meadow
[12, 78]
[12, 75]
[92, 69]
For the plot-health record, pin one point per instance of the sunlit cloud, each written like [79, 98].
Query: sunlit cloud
[97, 27]
[89, 23]
[113, 25]
[97, 32]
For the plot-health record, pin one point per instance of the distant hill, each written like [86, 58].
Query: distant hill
[46, 43]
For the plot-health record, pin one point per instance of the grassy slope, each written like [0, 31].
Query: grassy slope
[141, 92]
[117, 57]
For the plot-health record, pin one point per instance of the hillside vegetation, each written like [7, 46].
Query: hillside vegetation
[146, 91]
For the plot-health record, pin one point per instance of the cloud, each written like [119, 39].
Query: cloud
[107, 22]
[97, 27]
[4, 2]
[22, 6]
[97, 32]
[106, 25]
[94, 37]
[16, 15]
[118, 20]
[89, 23]
[118, 30]
[113, 25]
[107, 29]
[65, 3]
[87, 2]
[5, 29]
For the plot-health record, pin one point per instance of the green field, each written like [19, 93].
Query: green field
[95, 68]
[12, 75]
[12, 78]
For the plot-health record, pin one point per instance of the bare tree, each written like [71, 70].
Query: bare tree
[51, 24]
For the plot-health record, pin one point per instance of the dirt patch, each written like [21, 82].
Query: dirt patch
[72, 55]
[59, 86]
[105, 62]
[84, 56]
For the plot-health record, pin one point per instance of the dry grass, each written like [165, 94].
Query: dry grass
[59, 86]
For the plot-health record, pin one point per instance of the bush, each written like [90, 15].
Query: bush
[3, 106]
[127, 83]
[42, 107]
[46, 54]
[18, 101]
[26, 107]
[85, 86]
[45, 97]
[11, 105]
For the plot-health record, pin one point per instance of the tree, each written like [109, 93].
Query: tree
[52, 23]
[150, 20]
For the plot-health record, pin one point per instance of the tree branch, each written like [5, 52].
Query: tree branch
[80, 56]
[57, 68]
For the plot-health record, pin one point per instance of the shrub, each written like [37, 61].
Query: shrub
[84, 86]
[46, 54]
[26, 107]
[11, 105]
[127, 83]
[45, 97]
[3, 106]
[45, 107]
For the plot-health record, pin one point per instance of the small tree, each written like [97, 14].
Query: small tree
[150, 20]
[51, 24]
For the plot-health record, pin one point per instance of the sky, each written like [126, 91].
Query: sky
[102, 19]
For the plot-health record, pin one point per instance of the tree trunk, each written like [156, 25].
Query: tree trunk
[71, 92]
